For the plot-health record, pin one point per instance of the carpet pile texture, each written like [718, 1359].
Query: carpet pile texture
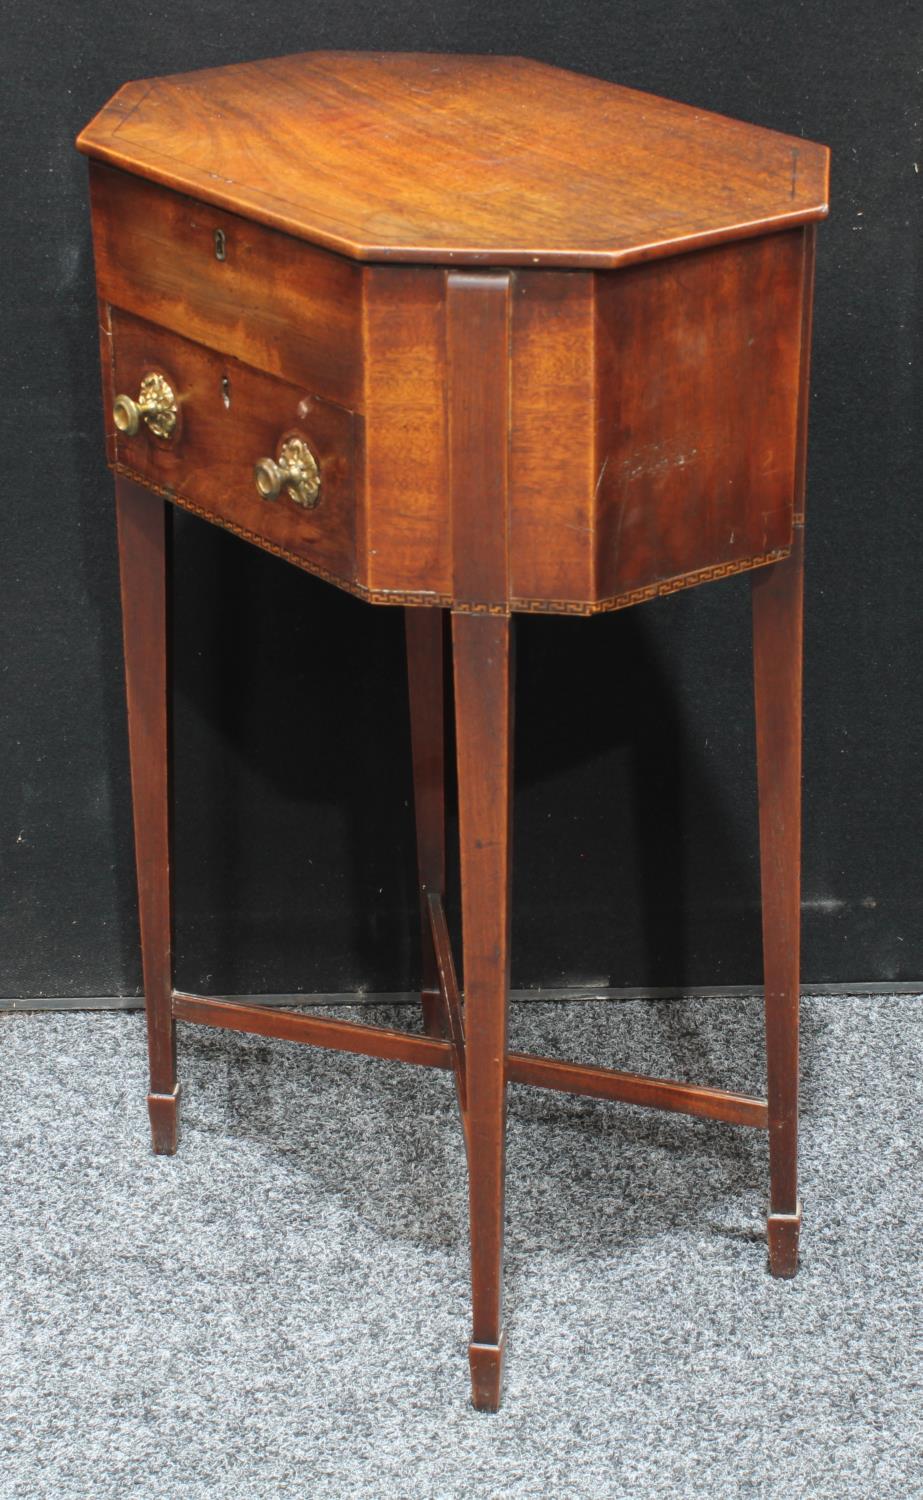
[281, 1310]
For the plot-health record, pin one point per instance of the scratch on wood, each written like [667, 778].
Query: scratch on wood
[794, 169]
[655, 460]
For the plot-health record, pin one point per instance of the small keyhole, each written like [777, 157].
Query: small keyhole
[225, 390]
[221, 245]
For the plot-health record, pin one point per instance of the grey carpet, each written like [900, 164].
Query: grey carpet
[282, 1309]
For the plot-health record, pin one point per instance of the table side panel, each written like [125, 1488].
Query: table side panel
[274, 302]
[551, 436]
[207, 465]
[652, 410]
[698, 363]
[406, 463]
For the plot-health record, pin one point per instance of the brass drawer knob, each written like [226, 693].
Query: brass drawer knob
[156, 404]
[295, 470]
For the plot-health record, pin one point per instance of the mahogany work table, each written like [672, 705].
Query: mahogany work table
[471, 334]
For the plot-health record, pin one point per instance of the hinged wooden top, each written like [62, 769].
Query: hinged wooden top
[459, 160]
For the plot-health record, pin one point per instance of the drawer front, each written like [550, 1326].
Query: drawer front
[228, 417]
[277, 303]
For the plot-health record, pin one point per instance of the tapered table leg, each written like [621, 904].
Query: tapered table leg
[143, 531]
[425, 674]
[484, 730]
[777, 638]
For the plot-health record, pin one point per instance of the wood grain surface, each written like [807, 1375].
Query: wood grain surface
[478, 365]
[314, 1030]
[777, 672]
[698, 363]
[484, 673]
[144, 537]
[497, 160]
[272, 301]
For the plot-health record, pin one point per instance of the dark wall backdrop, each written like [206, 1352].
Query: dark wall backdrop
[635, 819]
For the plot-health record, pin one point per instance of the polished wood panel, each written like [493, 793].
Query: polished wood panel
[698, 369]
[155, 256]
[207, 466]
[143, 535]
[554, 477]
[455, 159]
[651, 442]
[653, 424]
[405, 546]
